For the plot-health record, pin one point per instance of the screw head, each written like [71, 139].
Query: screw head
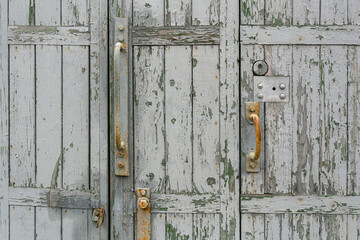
[282, 96]
[260, 86]
[121, 164]
[282, 86]
[252, 109]
[260, 96]
[121, 28]
[143, 202]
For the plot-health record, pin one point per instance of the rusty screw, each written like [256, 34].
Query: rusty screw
[122, 145]
[143, 202]
[121, 28]
[252, 109]
[121, 164]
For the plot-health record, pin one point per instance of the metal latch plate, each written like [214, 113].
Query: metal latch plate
[143, 213]
[271, 89]
[98, 216]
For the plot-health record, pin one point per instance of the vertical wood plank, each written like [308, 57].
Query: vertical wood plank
[252, 183]
[76, 117]
[178, 227]
[75, 13]
[334, 12]
[47, 12]
[21, 12]
[22, 222]
[353, 12]
[4, 122]
[206, 227]
[229, 120]
[158, 226]
[148, 13]
[206, 119]
[178, 13]
[306, 12]
[307, 123]
[353, 123]
[306, 226]
[75, 224]
[178, 118]
[48, 116]
[333, 227]
[205, 12]
[278, 12]
[353, 229]
[333, 173]
[278, 126]
[48, 223]
[149, 118]
[22, 115]
[252, 226]
[252, 12]
[278, 226]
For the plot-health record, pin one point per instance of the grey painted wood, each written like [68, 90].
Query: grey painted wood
[48, 223]
[22, 222]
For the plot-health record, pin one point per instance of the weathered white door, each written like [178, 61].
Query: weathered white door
[308, 186]
[184, 120]
[53, 128]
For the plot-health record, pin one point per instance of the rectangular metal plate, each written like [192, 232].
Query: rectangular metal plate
[143, 213]
[268, 89]
[121, 94]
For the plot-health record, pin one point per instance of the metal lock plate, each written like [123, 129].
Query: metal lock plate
[260, 68]
[143, 213]
[98, 216]
[271, 89]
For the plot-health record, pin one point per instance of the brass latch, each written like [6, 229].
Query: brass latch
[98, 216]
[143, 213]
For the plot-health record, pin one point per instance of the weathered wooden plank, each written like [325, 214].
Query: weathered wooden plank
[45, 197]
[306, 126]
[353, 227]
[178, 227]
[75, 224]
[306, 226]
[149, 118]
[158, 226]
[206, 12]
[76, 117]
[185, 203]
[301, 204]
[333, 227]
[333, 112]
[48, 116]
[353, 131]
[334, 12]
[75, 13]
[48, 223]
[189, 35]
[252, 183]
[47, 12]
[252, 226]
[229, 120]
[22, 222]
[278, 126]
[307, 35]
[22, 116]
[278, 226]
[48, 35]
[4, 122]
[278, 12]
[178, 13]
[353, 12]
[178, 118]
[206, 143]
[148, 13]
[306, 12]
[252, 12]
[206, 226]
[21, 12]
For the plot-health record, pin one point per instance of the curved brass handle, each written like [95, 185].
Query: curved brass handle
[253, 157]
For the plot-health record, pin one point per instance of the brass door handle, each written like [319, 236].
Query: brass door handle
[253, 156]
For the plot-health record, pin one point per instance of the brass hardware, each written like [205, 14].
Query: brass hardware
[253, 157]
[98, 216]
[143, 213]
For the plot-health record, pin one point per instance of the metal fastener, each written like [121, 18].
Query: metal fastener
[282, 86]
[260, 85]
[260, 96]
[143, 202]
[121, 164]
[121, 28]
[282, 96]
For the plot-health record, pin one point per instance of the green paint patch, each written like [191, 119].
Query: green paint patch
[148, 104]
[147, 5]
[150, 176]
[211, 181]
[194, 62]
[172, 233]
[173, 120]
[172, 82]
[320, 37]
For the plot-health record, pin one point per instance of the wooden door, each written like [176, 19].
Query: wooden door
[184, 132]
[308, 186]
[53, 134]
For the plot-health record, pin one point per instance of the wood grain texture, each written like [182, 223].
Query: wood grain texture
[278, 226]
[48, 223]
[306, 226]
[206, 12]
[22, 116]
[75, 13]
[306, 12]
[21, 12]
[177, 227]
[178, 13]
[252, 12]
[278, 12]
[47, 12]
[75, 224]
[333, 226]
[353, 12]
[206, 226]
[22, 222]
[334, 12]
[252, 226]
[149, 13]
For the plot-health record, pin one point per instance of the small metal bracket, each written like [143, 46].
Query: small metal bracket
[98, 216]
[143, 213]
[121, 94]
[271, 89]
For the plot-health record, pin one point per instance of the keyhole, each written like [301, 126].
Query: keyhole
[274, 88]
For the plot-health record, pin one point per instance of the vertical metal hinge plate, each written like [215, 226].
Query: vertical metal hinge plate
[143, 213]
[121, 96]
[98, 216]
